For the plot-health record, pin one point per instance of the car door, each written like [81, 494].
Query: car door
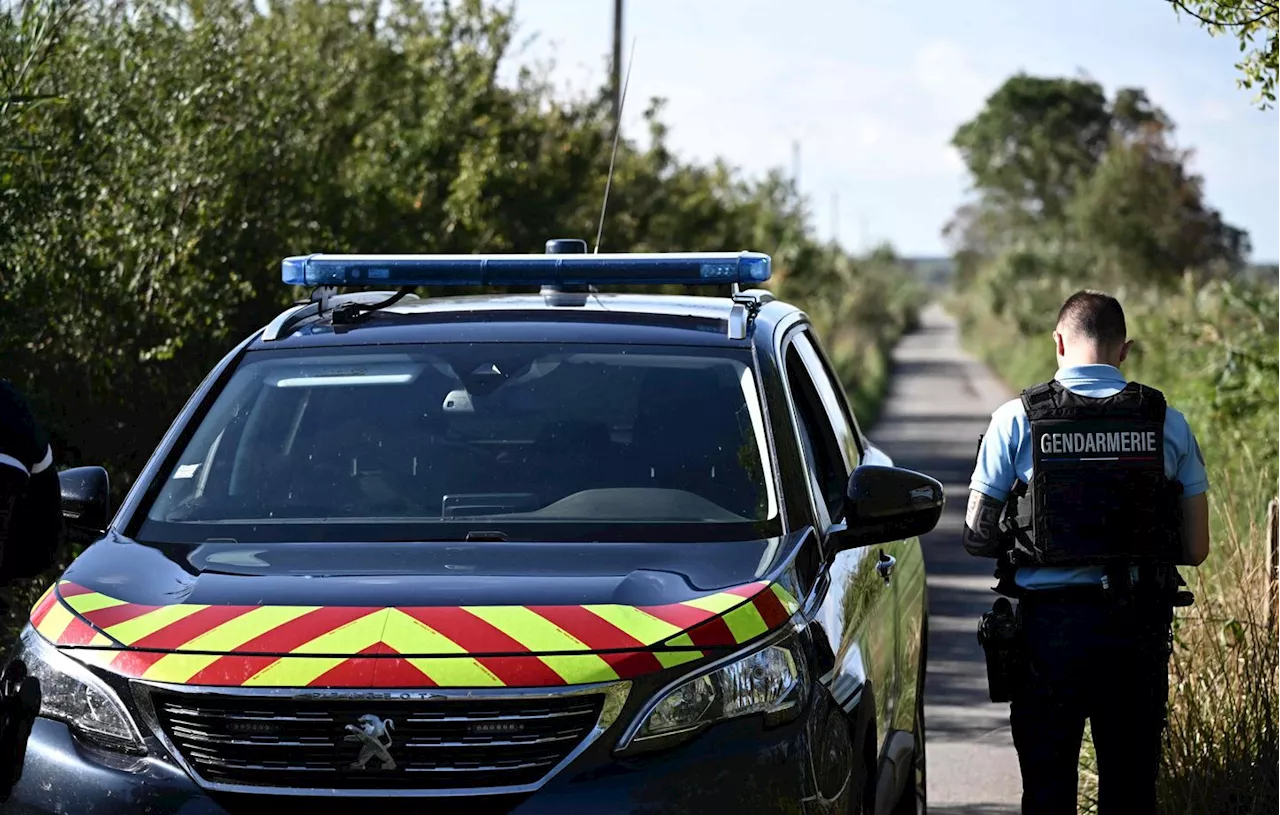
[857, 611]
[901, 562]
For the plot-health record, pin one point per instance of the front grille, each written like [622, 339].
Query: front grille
[435, 743]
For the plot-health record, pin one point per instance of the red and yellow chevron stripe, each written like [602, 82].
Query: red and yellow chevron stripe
[401, 646]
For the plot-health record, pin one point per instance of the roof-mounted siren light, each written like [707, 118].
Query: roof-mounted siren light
[565, 271]
[566, 294]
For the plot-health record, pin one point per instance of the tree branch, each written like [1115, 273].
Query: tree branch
[1180, 4]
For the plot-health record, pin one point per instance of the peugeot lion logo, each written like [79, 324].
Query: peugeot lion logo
[374, 740]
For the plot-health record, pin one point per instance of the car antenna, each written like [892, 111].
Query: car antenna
[617, 129]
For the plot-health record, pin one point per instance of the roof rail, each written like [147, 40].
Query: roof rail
[324, 299]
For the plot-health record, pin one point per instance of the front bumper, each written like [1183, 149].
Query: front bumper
[60, 775]
[736, 766]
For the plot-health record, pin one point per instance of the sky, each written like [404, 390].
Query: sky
[872, 91]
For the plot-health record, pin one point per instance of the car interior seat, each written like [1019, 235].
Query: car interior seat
[687, 436]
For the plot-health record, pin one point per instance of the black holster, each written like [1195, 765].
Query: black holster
[1159, 584]
[1000, 635]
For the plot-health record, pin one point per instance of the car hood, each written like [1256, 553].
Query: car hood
[412, 615]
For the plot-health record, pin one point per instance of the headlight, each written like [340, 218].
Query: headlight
[770, 681]
[71, 693]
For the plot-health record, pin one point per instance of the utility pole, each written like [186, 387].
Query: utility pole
[617, 62]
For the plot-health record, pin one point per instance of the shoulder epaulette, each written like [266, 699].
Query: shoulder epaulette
[1152, 401]
[1038, 394]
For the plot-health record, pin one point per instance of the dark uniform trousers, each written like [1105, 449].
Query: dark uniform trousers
[1091, 659]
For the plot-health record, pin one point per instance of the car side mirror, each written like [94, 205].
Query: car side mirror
[885, 504]
[86, 503]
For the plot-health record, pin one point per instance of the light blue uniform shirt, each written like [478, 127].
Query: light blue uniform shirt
[1005, 456]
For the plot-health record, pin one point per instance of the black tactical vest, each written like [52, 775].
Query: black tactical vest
[1098, 490]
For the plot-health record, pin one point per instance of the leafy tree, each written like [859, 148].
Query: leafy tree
[1145, 218]
[1254, 23]
[1063, 172]
[1133, 114]
[1034, 141]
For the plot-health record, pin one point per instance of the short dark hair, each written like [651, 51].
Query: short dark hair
[1095, 315]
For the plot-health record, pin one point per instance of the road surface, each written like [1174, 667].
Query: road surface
[939, 403]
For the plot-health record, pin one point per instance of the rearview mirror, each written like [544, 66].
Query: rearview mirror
[885, 504]
[86, 503]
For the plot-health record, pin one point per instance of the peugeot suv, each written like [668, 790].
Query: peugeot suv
[555, 552]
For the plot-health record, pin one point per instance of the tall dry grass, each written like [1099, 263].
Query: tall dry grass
[1221, 753]
[1220, 749]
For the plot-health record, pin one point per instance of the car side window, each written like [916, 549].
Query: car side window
[828, 473]
[833, 402]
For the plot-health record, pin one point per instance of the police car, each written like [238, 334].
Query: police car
[567, 551]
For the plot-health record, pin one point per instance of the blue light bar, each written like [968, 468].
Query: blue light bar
[683, 268]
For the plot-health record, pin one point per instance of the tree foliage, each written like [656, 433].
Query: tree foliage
[1145, 216]
[1034, 141]
[158, 158]
[1058, 167]
[1254, 24]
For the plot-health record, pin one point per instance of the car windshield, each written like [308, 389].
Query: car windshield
[487, 441]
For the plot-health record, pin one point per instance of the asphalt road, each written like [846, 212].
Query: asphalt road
[939, 403]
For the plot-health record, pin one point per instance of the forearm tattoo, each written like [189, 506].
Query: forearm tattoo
[982, 525]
